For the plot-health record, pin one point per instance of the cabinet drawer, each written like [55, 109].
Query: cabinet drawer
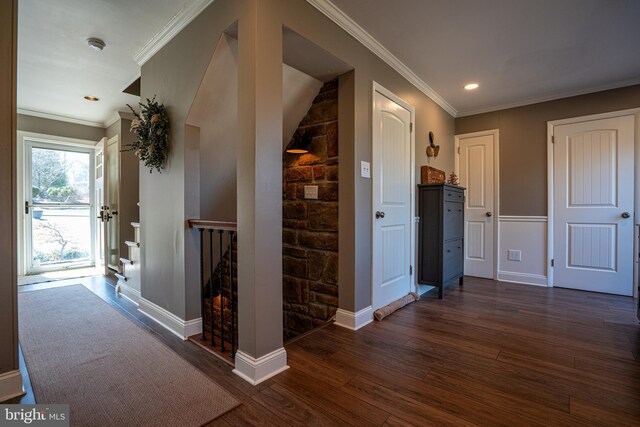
[453, 220]
[452, 259]
[453, 196]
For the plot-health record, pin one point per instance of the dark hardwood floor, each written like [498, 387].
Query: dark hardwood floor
[488, 354]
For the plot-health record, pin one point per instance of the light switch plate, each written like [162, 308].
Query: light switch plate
[310, 191]
[365, 169]
[514, 255]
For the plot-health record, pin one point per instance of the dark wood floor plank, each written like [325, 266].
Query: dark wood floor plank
[572, 378]
[313, 367]
[402, 407]
[489, 353]
[529, 411]
[465, 407]
[293, 409]
[332, 399]
[601, 416]
[394, 421]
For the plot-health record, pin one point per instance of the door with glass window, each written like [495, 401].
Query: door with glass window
[58, 207]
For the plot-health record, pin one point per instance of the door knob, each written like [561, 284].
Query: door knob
[489, 214]
[625, 215]
[379, 214]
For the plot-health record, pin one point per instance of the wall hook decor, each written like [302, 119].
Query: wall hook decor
[432, 149]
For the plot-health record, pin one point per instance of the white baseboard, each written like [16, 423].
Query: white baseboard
[354, 321]
[524, 278]
[181, 328]
[10, 385]
[255, 371]
[128, 292]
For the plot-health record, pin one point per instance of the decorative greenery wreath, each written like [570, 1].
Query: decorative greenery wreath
[151, 127]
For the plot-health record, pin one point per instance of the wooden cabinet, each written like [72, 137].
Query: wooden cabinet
[440, 235]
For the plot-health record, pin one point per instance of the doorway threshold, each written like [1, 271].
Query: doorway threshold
[52, 276]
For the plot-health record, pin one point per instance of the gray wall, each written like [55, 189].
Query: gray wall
[168, 199]
[58, 128]
[355, 142]
[523, 142]
[8, 229]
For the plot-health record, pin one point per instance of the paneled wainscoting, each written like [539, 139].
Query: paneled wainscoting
[527, 234]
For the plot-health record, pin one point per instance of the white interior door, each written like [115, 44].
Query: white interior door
[101, 190]
[392, 206]
[593, 169]
[476, 168]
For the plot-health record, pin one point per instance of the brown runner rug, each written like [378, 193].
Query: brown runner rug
[82, 352]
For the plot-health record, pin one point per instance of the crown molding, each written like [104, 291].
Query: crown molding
[117, 116]
[554, 97]
[59, 118]
[187, 14]
[332, 12]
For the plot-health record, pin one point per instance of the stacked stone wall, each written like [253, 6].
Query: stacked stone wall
[310, 227]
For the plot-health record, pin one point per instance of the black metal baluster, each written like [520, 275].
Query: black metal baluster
[213, 322]
[202, 309]
[221, 298]
[231, 302]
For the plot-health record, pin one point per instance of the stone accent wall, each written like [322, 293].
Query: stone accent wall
[310, 227]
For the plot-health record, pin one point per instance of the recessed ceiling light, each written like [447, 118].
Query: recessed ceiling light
[96, 44]
[91, 98]
[471, 86]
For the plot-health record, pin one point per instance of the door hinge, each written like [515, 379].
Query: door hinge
[411, 127]
[552, 262]
[553, 139]
[410, 270]
[458, 150]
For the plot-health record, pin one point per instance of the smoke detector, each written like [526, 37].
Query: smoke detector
[96, 44]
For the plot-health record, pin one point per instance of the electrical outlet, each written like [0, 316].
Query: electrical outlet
[365, 169]
[514, 255]
[310, 191]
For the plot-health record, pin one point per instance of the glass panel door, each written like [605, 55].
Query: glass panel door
[59, 207]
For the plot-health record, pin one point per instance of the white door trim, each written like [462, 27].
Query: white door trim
[376, 87]
[22, 138]
[27, 143]
[550, 179]
[496, 185]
